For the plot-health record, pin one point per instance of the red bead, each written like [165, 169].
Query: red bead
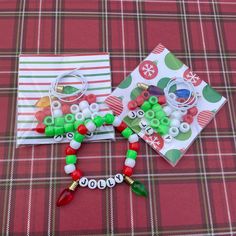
[65, 108]
[91, 98]
[162, 99]
[128, 171]
[193, 111]
[70, 151]
[40, 128]
[122, 126]
[65, 197]
[145, 94]
[82, 129]
[39, 115]
[139, 100]
[188, 118]
[76, 175]
[132, 105]
[134, 146]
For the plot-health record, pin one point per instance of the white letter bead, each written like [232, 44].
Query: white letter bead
[90, 126]
[117, 121]
[83, 104]
[143, 124]
[110, 182]
[140, 113]
[173, 131]
[69, 168]
[174, 123]
[184, 127]
[58, 138]
[83, 182]
[74, 144]
[167, 110]
[102, 184]
[94, 107]
[57, 113]
[132, 114]
[119, 178]
[92, 184]
[79, 116]
[89, 135]
[86, 113]
[176, 115]
[133, 138]
[70, 135]
[74, 108]
[56, 105]
[149, 130]
[167, 138]
[130, 162]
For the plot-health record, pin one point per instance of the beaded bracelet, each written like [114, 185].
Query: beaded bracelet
[138, 188]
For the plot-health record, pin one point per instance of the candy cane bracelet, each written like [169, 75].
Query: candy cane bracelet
[138, 188]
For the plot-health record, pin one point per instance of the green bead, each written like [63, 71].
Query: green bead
[98, 121]
[165, 121]
[149, 115]
[78, 137]
[48, 120]
[154, 123]
[146, 106]
[69, 89]
[160, 114]
[153, 100]
[109, 118]
[163, 129]
[69, 118]
[127, 132]
[139, 189]
[77, 123]
[49, 131]
[59, 130]
[69, 127]
[131, 154]
[59, 121]
[156, 107]
[71, 159]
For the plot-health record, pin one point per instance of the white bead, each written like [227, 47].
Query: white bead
[83, 182]
[149, 130]
[74, 108]
[172, 96]
[55, 105]
[86, 113]
[69, 168]
[174, 123]
[167, 138]
[119, 178]
[140, 113]
[70, 135]
[74, 144]
[79, 116]
[176, 114]
[102, 184]
[167, 110]
[89, 135]
[94, 107]
[184, 127]
[92, 184]
[90, 126]
[133, 138]
[57, 113]
[173, 131]
[117, 121]
[132, 114]
[110, 182]
[83, 104]
[130, 162]
[143, 124]
[94, 114]
[58, 138]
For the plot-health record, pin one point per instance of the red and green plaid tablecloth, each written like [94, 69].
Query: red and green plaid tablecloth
[198, 196]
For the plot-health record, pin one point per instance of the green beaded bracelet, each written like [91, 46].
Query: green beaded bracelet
[149, 115]
[98, 121]
[160, 114]
[163, 129]
[59, 130]
[69, 118]
[154, 123]
[165, 121]
[59, 121]
[127, 132]
[71, 159]
[131, 154]
[156, 107]
[50, 131]
[146, 106]
[109, 118]
[69, 127]
[48, 120]
[153, 100]
[78, 137]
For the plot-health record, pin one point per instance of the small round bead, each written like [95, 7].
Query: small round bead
[48, 120]
[130, 162]
[153, 100]
[167, 110]
[55, 105]
[157, 107]
[74, 144]
[102, 184]
[110, 182]
[57, 113]
[184, 127]
[154, 123]
[133, 138]
[128, 171]
[140, 113]
[127, 132]
[91, 98]
[143, 124]
[82, 129]
[69, 118]
[160, 114]
[109, 118]
[121, 127]
[86, 113]
[146, 106]
[40, 115]
[188, 118]
[79, 116]
[163, 129]
[132, 105]
[69, 168]
[76, 175]
[69, 127]
[59, 121]
[149, 130]
[92, 184]
[193, 111]
[117, 121]
[132, 114]
[176, 115]
[145, 94]
[74, 108]
[98, 121]
[83, 182]
[173, 131]
[70, 135]
[40, 128]
[58, 138]
[94, 107]
[131, 154]
[59, 130]
[174, 123]
[83, 105]
[167, 138]
[165, 121]
[70, 151]
[90, 126]
[134, 146]
[139, 100]
[149, 115]
[50, 131]
[71, 159]
[65, 108]
[162, 99]
[119, 178]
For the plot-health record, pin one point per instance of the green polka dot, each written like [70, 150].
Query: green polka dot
[125, 83]
[163, 82]
[210, 94]
[172, 62]
[135, 93]
[173, 155]
[184, 136]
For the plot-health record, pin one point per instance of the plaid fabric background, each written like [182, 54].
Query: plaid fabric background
[198, 196]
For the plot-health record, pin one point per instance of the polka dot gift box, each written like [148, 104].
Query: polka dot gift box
[165, 103]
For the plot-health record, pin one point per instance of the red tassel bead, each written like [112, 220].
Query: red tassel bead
[139, 100]
[39, 115]
[40, 128]
[134, 146]
[145, 94]
[65, 108]
[193, 111]
[121, 127]
[65, 197]
[162, 99]
[128, 171]
[132, 105]
[82, 129]
[91, 98]
[76, 175]
[188, 118]
[70, 151]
